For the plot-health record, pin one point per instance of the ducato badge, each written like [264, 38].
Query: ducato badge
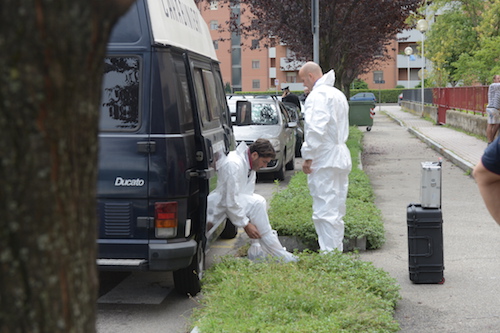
[119, 181]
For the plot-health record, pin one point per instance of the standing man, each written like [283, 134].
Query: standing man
[234, 196]
[327, 160]
[290, 97]
[493, 109]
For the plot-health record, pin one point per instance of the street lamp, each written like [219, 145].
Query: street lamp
[422, 26]
[408, 52]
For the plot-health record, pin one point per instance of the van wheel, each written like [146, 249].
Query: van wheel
[187, 281]
[291, 165]
[280, 174]
[230, 231]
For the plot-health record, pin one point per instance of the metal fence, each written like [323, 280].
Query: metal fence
[473, 99]
[415, 95]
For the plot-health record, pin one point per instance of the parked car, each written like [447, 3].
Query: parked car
[364, 96]
[257, 117]
[400, 98]
[296, 116]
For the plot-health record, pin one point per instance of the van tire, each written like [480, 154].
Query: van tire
[187, 281]
[230, 230]
[291, 165]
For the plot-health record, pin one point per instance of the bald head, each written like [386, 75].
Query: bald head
[310, 73]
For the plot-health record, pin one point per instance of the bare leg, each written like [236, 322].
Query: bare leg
[491, 131]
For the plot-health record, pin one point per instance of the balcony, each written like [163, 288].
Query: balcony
[402, 61]
[290, 66]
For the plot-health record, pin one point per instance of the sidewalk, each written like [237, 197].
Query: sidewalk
[463, 150]
[468, 300]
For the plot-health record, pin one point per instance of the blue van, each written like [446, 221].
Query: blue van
[164, 123]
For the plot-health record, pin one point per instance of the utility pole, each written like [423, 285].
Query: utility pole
[315, 29]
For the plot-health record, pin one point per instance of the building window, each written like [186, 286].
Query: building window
[291, 77]
[256, 84]
[255, 63]
[378, 77]
[216, 44]
[255, 44]
[214, 5]
[214, 25]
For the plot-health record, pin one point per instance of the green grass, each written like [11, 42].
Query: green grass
[320, 293]
[290, 209]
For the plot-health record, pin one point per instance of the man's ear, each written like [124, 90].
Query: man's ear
[254, 156]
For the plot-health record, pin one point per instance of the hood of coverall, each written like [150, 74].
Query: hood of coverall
[327, 79]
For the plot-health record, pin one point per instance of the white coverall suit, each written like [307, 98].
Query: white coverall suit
[326, 130]
[235, 197]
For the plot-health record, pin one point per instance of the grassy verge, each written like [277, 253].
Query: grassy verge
[290, 209]
[319, 293]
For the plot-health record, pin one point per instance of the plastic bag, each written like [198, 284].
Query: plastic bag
[255, 251]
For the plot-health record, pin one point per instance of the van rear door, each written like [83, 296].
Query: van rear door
[123, 160]
[214, 133]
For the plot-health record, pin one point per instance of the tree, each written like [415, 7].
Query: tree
[51, 70]
[354, 34]
[450, 36]
[463, 43]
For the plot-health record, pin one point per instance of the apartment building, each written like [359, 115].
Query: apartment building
[402, 69]
[247, 66]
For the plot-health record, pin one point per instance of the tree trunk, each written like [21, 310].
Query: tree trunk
[51, 71]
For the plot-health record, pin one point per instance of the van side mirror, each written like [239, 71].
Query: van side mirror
[243, 113]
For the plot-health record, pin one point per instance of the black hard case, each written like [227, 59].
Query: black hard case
[425, 244]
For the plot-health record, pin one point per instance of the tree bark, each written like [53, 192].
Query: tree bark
[51, 72]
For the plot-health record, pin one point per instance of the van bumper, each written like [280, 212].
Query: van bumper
[162, 257]
[171, 256]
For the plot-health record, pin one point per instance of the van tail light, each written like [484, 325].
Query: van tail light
[166, 219]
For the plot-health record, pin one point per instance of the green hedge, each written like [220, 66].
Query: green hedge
[386, 95]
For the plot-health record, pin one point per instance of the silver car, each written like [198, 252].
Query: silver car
[265, 117]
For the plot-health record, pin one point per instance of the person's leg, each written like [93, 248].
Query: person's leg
[494, 131]
[328, 188]
[269, 241]
[493, 124]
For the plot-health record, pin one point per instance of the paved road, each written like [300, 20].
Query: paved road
[468, 301]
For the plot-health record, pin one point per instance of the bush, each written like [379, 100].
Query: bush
[319, 293]
[290, 209]
[383, 96]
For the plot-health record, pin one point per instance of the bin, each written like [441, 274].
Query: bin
[361, 113]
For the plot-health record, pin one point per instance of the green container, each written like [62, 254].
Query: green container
[361, 114]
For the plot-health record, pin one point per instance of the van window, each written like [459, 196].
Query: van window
[120, 94]
[183, 95]
[206, 93]
[200, 94]
[213, 102]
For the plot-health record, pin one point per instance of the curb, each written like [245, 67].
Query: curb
[454, 158]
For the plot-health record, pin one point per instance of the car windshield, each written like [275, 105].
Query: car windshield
[262, 114]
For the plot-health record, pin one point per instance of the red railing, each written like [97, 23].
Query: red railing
[472, 99]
